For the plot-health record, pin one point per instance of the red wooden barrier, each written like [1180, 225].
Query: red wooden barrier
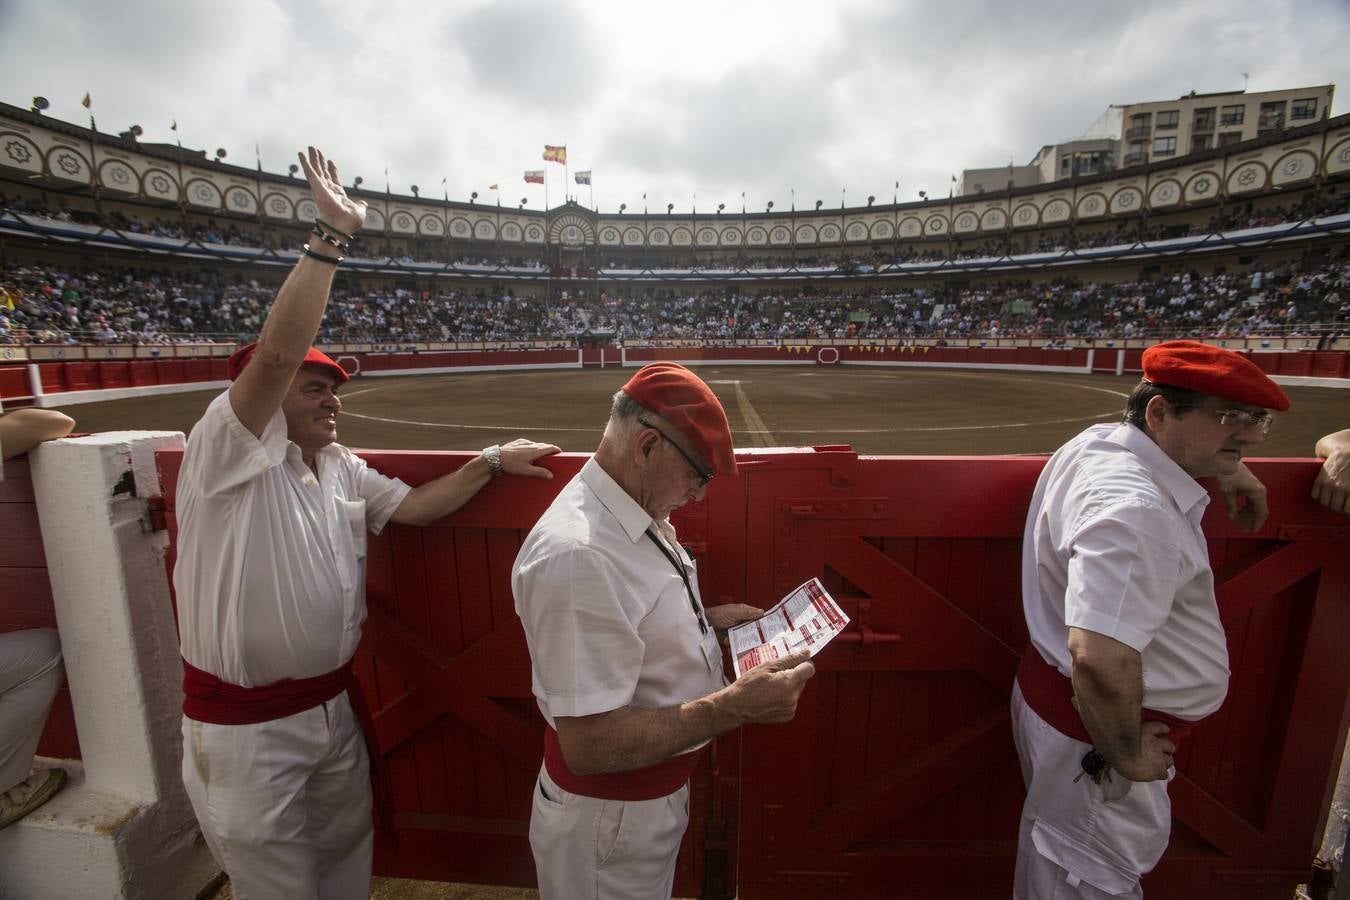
[53, 377]
[77, 375]
[898, 776]
[14, 382]
[114, 375]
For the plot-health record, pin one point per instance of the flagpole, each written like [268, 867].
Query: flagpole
[257, 153]
[182, 201]
[93, 159]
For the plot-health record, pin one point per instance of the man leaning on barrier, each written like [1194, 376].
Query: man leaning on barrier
[625, 661]
[1128, 652]
[270, 580]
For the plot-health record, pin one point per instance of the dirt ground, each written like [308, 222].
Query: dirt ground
[883, 411]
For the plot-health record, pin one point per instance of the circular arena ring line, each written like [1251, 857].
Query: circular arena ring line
[917, 429]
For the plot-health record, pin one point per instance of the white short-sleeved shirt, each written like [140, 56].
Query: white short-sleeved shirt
[607, 617]
[271, 570]
[1113, 545]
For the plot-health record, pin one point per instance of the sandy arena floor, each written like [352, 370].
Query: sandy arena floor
[886, 411]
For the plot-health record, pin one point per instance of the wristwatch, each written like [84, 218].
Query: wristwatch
[493, 456]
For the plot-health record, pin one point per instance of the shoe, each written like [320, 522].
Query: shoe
[28, 795]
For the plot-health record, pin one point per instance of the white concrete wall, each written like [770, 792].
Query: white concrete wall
[123, 827]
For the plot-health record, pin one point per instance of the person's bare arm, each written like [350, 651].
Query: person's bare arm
[440, 497]
[634, 737]
[1332, 487]
[24, 429]
[1108, 689]
[294, 318]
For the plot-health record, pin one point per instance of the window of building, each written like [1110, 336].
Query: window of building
[1204, 119]
[1228, 138]
[1303, 109]
[1140, 125]
[1136, 153]
[1232, 115]
[1168, 118]
[1165, 146]
[1272, 116]
[1065, 164]
[1199, 142]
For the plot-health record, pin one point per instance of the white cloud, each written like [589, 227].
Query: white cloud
[701, 97]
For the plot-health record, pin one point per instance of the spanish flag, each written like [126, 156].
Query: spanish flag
[555, 154]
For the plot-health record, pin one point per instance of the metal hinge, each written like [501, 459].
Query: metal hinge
[1313, 533]
[836, 508]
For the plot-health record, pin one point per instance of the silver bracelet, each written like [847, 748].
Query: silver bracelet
[493, 456]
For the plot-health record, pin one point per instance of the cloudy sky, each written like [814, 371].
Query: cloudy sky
[690, 102]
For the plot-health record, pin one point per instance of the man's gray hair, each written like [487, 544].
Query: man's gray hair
[625, 407]
[624, 412]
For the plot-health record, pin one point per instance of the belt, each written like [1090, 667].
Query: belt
[1050, 696]
[659, 780]
[208, 699]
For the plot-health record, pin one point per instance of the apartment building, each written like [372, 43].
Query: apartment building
[1135, 133]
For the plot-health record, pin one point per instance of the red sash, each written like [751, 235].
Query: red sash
[654, 781]
[1050, 696]
[208, 699]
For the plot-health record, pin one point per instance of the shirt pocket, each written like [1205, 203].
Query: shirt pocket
[354, 512]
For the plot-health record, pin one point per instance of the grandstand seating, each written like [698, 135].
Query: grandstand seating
[1263, 249]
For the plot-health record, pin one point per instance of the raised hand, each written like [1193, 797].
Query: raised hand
[335, 207]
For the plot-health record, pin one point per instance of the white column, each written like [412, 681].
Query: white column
[123, 826]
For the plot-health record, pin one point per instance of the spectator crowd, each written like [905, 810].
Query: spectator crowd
[45, 304]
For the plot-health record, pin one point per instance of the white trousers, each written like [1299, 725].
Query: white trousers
[1081, 839]
[285, 805]
[591, 849]
[30, 674]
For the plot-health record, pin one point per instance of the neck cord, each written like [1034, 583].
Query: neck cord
[670, 557]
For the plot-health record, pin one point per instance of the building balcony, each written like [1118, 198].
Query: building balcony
[1202, 126]
[1135, 158]
[1137, 133]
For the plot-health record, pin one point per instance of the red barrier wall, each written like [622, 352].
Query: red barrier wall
[897, 778]
[79, 375]
[14, 381]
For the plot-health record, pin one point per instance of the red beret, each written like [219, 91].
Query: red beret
[1212, 370]
[682, 399]
[240, 358]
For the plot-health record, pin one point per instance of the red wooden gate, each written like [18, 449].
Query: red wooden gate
[898, 776]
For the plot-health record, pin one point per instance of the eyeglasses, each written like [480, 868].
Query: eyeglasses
[1241, 418]
[704, 475]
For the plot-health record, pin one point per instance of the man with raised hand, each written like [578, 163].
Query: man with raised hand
[270, 581]
[625, 661]
[1127, 650]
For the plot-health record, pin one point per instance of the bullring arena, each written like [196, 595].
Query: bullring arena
[893, 410]
[894, 376]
